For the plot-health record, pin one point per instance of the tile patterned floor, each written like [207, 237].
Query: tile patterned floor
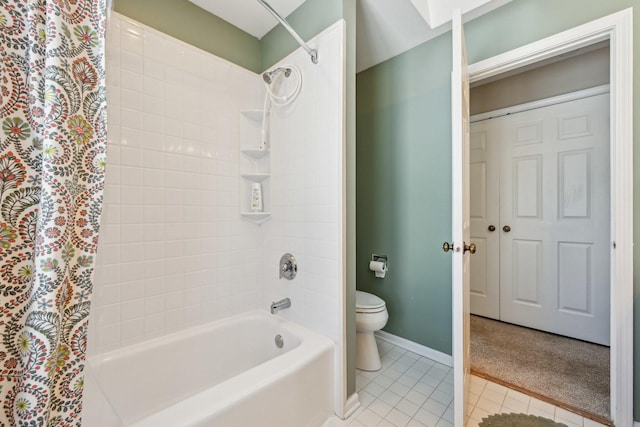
[413, 391]
[486, 398]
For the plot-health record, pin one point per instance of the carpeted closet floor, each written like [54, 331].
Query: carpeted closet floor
[566, 372]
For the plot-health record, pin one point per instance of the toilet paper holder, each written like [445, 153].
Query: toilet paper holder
[380, 272]
[379, 258]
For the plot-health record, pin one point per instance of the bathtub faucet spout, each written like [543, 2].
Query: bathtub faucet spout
[280, 305]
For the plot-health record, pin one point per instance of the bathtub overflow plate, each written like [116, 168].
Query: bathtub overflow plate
[279, 341]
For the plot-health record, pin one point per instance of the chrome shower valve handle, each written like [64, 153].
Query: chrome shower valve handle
[288, 267]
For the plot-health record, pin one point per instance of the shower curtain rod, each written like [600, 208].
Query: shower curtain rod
[313, 53]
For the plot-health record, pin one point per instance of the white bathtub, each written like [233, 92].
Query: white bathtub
[227, 373]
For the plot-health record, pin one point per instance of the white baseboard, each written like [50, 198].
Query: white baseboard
[420, 349]
[352, 405]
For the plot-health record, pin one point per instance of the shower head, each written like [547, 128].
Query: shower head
[269, 75]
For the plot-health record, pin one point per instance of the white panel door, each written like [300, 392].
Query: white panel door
[554, 217]
[485, 219]
[460, 221]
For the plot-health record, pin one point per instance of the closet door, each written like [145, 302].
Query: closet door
[485, 219]
[554, 211]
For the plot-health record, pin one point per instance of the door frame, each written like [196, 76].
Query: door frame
[618, 29]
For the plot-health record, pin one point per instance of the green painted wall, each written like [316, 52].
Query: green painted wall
[403, 189]
[403, 162]
[189, 23]
[308, 20]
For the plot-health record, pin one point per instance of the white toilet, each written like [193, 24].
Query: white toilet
[371, 316]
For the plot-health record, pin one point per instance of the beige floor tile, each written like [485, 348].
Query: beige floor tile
[569, 416]
[398, 418]
[488, 405]
[513, 405]
[591, 423]
[417, 392]
[380, 407]
[369, 418]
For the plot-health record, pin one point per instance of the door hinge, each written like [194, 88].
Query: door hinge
[614, 244]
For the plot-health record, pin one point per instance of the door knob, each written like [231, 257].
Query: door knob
[506, 229]
[491, 228]
[470, 248]
[446, 246]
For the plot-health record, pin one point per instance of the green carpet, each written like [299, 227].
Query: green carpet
[518, 420]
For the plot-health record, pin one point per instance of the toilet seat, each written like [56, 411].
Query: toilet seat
[369, 303]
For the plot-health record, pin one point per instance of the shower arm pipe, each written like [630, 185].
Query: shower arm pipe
[313, 53]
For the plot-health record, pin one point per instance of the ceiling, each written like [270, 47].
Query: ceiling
[249, 15]
[385, 28]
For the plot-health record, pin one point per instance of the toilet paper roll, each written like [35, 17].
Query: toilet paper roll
[380, 268]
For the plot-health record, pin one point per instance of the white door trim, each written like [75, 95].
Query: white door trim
[618, 29]
[554, 100]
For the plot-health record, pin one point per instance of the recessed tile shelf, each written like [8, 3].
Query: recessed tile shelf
[254, 165]
[256, 177]
[257, 217]
[255, 115]
[255, 153]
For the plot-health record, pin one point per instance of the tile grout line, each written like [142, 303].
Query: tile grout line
[402, 361]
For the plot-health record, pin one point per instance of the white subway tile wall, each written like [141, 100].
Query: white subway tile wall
[307, 189]
[173, 250]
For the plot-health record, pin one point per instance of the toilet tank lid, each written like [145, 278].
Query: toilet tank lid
[367, 300]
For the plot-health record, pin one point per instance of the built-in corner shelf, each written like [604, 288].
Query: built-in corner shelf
[256, 177]
[255, 153]
[255, 115]
[255, 166]
[257, 217]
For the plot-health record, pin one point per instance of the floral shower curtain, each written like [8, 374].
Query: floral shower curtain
[52, 159]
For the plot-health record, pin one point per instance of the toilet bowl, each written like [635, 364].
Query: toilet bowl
[371, 316]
